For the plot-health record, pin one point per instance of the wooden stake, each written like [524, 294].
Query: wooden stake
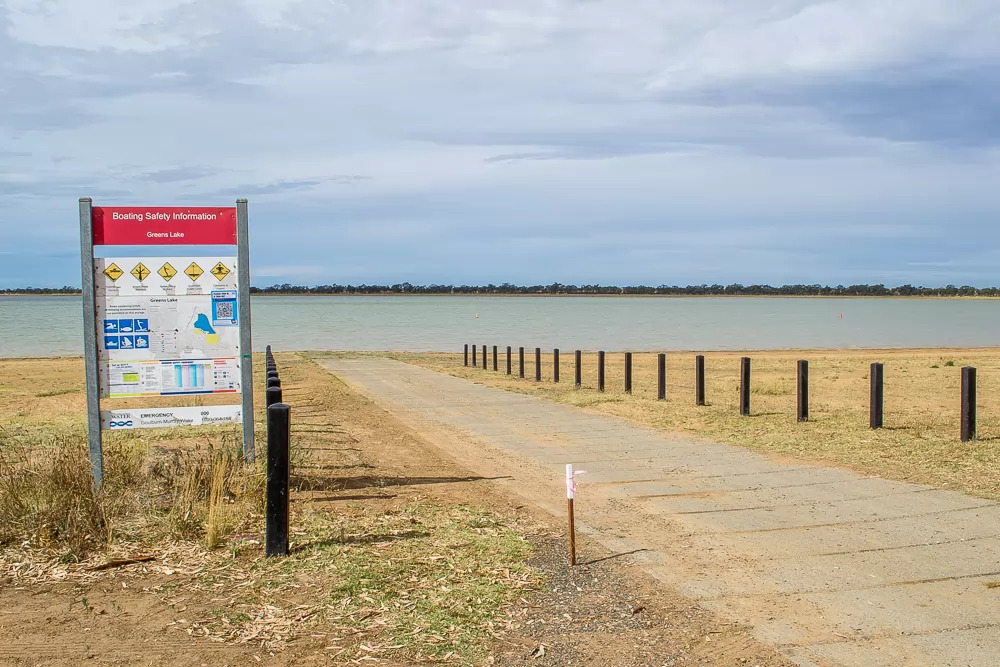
[570, 492]
[572, 534]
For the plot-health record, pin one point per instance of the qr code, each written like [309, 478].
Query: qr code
[223, 310]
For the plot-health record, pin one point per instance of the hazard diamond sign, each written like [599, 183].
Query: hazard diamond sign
[220, 271]
[167, 271]
[140, 272]
[193, 271]
[113, 272]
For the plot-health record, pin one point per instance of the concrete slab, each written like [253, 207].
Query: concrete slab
[969, 647]
[919, 502]
[884, 536]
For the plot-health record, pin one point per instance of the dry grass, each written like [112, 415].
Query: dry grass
[217, 521]
[920, 442]
[158, 483]
[48, 499]
[420, 581]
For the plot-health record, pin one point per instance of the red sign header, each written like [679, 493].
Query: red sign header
[164, 225]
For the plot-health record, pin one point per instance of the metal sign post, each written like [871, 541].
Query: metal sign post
[166, 324]
[90, 341]
[246, 344]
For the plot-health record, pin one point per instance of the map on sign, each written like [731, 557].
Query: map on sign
[168, 328]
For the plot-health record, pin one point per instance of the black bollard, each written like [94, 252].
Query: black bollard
[494, 358]
[474, 362]
[466, 354]
[803, 403]
[600, 370]
[968, 403]
[273, 381]
[538, 364]
[484, 357]
[628, 372]
[555, 365]
[272, 395]
[661, 377]
[520, 361]
[279, 428]
[876, 415]
[745, 386]
[272, 373]
[579, 370]
[508, 360]
[699, 379]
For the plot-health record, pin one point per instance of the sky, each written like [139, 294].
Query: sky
[529, 141]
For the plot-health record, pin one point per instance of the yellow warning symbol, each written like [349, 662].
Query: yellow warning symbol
[113, 272]
[193, 272]
[167, 272]
[140, 272]
[220, 271]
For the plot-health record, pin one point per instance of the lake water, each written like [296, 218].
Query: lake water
[51, 326]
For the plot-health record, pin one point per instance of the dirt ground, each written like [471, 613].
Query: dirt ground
[359, 459]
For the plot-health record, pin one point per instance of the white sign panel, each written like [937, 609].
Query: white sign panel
[167, 326]
[170, 417]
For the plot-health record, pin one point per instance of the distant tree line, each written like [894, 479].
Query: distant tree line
[558, 288]
[690, 290]
[65, 289]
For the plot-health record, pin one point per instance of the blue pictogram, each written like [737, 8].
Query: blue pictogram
[111, 342]
[126, 342]
[110, 326]
[125, 326]
[141, 326]
[141, 342]
[127, 423]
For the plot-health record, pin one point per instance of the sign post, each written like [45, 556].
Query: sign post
[166, 324]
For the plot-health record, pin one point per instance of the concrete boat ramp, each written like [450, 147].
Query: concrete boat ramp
[828, 565]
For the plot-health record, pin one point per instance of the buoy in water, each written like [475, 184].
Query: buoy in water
[477, 316]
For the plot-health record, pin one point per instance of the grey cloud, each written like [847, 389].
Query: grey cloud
[278, 187]
[178, 174]
[420, 94]
[774, 135]
[54, 189]
[919, 103]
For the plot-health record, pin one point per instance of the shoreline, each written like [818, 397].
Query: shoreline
[478, 295]
[757, 352]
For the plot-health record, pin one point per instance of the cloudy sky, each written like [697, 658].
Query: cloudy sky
[530, 141]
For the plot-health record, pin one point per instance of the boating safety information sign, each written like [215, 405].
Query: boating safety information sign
[166, 318]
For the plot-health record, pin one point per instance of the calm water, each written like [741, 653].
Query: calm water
[51, 326]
